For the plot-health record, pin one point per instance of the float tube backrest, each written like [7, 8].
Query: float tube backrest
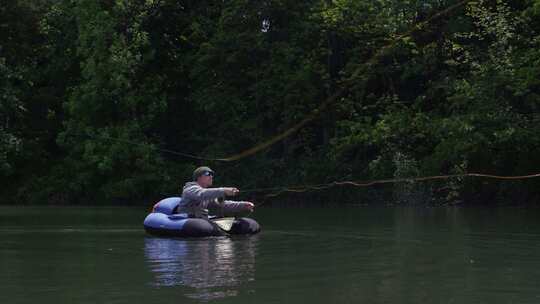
[167, 205]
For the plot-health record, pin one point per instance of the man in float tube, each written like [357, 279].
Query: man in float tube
[197, 198]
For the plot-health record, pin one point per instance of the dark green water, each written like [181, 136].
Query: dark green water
[310, 255]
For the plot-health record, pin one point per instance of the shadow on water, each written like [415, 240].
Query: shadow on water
[213, 268]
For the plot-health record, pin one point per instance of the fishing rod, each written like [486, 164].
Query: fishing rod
[317, 187]
[322, 186]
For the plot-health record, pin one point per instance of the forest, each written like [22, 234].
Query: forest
[116, 102]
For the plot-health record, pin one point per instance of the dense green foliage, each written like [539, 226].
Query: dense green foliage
[93, 91]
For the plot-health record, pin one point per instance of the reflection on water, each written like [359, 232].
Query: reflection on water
[213, 267]
[305, 255]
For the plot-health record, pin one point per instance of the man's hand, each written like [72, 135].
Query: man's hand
[231, 191]
[250, 206]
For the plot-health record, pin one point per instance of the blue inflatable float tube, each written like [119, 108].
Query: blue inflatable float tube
[165, 221]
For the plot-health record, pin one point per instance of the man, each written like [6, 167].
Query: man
[197, 198]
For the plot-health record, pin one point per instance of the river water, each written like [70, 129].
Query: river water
[303, 255]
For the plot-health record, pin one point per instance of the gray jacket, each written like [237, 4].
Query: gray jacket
[196, 201]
